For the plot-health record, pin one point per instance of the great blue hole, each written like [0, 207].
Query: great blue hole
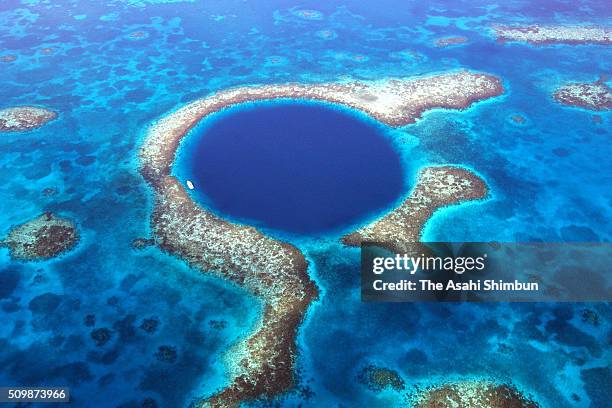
[298, 167]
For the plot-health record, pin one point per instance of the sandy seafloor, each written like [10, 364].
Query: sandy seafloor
[550, 179]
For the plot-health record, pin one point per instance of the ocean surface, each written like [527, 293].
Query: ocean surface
[300, 167]
[116, 66]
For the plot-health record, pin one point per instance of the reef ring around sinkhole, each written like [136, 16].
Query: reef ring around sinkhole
[261, 365]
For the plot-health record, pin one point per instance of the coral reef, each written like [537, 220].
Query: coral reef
[308, 14]
[448, 41]
[49, 191]
[472, 394]
[150, 325]
[149, 403]
[435, 187]
[590, 316]
[44, 237]
[217, 324]
[166, 354]
[379, 378]
[47, 302]
[326, 34]
[23, 118]
[137, 35]
[395, 102]
[595, 96]
[101, 336]
[89, 320]
[8, 58]
[274, 271]
[536, 34]
[142, 243]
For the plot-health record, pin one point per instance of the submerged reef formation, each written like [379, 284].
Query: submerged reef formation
[308, 14]
[149, 325]
[448, 41]
[435, 187]
[8, 58]
[472, 394]
[142, 243]
[166, 354]
[272, 270]
[23, 118]
[46, 236]
[595, 96]
[138, 35]
[380, 378]
[101, 336]
[326, 34]
[518, 119]
[536, 34]
[395, 102]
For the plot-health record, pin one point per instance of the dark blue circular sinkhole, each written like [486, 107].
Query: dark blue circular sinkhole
[294, 166]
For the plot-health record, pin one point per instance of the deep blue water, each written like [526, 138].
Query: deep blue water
[550, 180]
[299, 167]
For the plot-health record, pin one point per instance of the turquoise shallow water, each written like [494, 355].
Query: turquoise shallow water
[549, 181]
